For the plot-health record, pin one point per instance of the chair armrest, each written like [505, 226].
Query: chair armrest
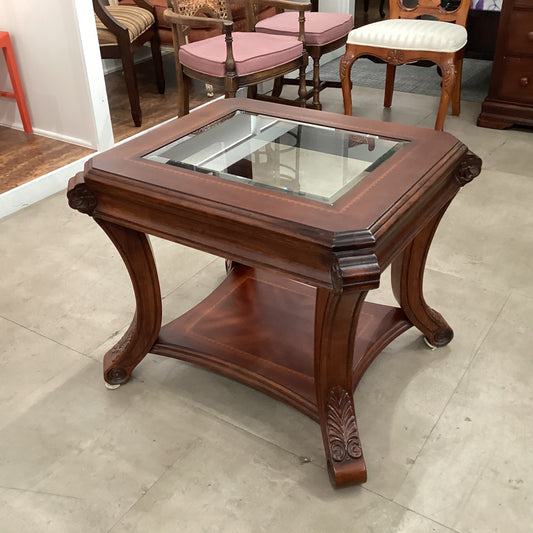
[182, 24]
[280, 6]
[195, 22]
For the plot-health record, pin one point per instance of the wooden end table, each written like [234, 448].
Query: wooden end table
[309, 208]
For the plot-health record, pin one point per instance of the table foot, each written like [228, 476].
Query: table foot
[428, 344]
[344, 455]
[441, 335]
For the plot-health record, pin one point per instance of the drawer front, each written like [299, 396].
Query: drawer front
[524, 4]
[516, 82]
[520, 37]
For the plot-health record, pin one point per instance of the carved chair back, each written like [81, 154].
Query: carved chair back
[219, 9]
[432, 8]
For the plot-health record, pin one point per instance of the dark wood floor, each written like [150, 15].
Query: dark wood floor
[156, 108]
[24, 157]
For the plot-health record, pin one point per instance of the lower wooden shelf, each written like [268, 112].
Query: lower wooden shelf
[258, 327]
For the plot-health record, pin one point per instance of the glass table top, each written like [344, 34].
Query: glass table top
[316, 162]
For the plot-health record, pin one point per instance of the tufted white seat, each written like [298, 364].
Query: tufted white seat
[439, 36]
[411, 34]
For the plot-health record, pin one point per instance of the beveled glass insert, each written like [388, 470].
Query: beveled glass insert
[317, 162]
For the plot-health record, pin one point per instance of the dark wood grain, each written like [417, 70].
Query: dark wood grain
[27, 156]
[293, 322]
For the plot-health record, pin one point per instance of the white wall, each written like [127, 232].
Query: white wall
[57, 53]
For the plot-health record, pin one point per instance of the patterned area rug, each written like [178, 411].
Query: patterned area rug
[415, 79]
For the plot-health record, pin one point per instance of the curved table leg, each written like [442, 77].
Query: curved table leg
[335, 325]
[135, 249]
[407, 274]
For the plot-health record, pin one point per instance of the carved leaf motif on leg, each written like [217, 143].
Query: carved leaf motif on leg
[342, 430]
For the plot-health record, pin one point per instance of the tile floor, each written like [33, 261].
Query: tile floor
[447, 433]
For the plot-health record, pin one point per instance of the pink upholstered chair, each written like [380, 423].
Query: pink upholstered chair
[324, 32]
[406, 38]
[231, 60]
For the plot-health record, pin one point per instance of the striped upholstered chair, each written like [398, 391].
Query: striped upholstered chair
[121, 30]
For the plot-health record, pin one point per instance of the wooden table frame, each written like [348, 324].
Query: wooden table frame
[293, 322]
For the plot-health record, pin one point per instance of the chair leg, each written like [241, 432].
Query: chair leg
[252, 92]
[158, 63]
[230, 86]
[183, 91]
[381, 10]
[345, 68]
[389, 84]
[302, 90]
[316, 79]
[449, 77]
[278, 86]
[456, 93]
[131, 85]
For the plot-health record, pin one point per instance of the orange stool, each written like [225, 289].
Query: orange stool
[18, 93]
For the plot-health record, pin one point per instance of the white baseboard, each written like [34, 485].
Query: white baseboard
[39, 188]
[65, 138]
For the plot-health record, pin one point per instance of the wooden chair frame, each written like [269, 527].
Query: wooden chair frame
[450, 63]
[231, 82]
[125, 48]
[315, 52]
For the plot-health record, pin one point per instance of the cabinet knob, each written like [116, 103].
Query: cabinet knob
[530, 35]
[524, 82]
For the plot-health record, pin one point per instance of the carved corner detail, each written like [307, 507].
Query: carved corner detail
[343, 436]
[359, 271]
[395, 57]
[82, 199]
[468, 169]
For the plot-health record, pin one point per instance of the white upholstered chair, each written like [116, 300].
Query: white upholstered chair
[440, 37]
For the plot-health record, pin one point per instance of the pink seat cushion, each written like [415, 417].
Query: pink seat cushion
[253, 52]
[320, 28]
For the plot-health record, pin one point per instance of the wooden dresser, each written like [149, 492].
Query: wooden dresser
[510, 99]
